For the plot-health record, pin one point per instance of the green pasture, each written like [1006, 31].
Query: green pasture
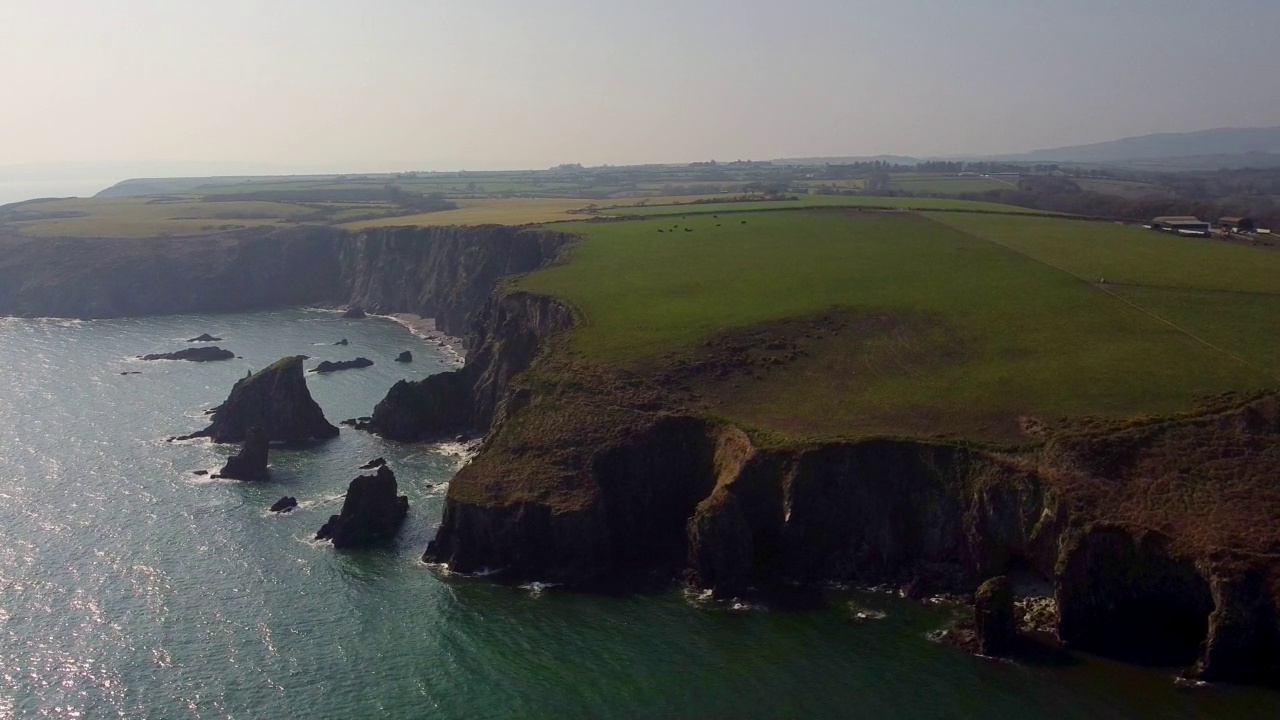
[965, 335]
[1129, 254]
[134, 217]
[812, 201]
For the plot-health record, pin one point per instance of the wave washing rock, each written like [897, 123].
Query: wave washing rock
[355, 312]
[329, 366]
[206, 337]
[371, 514]
[251, 462]
[285, 504]
[196, 354]
[275, 399]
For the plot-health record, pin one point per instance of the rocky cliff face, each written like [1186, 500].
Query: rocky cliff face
[588, 478]
[98, 278]
[505, 336]
[444, 272]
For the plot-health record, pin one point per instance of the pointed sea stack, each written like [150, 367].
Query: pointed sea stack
[275, 399]
[206, 337]
[251, 462]
[371, 514]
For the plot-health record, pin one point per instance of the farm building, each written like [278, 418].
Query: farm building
[1181, 224]
[1237, 224]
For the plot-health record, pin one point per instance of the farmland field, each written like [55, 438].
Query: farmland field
[916, 326]
[145, 218]
[811, 201]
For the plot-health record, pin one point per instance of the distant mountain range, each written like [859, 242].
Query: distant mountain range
[1219, 142]
[1200, 150]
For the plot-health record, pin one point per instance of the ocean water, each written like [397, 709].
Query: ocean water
[130, 587]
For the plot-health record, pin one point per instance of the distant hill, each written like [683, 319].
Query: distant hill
[1227, 146]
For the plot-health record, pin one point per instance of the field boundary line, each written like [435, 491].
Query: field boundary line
[1122, 299]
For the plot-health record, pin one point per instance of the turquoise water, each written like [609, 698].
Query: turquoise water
[130, 587]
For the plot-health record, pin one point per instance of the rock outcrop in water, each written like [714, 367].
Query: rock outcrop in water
[206, 337]
[371, 514]
[284, 504]
[196, 354]
[328, 366]
[355, 312]
[251, 462]
[993, 618]
[275, 399]
[405, 357]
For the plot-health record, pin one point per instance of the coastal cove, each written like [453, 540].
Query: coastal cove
[133, 586]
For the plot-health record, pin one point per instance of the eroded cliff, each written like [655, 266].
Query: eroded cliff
[441, 272]
[1155, 534]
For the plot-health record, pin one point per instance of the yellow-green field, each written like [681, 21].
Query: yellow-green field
[958, 324]
[147, 218]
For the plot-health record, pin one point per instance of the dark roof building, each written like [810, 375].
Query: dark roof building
[1237, 224]
[1182, 224]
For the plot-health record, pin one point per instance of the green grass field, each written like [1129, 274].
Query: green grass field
[961, 325]
[145, 218]
[812, 201]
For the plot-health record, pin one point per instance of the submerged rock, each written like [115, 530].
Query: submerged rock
[355, 312]
[251, 462]
[372, 512]
[285, 504]
[196, 354]
[275, 399]
[206, 337]
[405, 357]
[329, 366]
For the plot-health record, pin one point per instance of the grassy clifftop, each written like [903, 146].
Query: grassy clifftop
[837, 323]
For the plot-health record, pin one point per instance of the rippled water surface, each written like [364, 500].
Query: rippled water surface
[130, 587]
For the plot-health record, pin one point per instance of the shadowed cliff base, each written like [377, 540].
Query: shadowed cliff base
[592, 470]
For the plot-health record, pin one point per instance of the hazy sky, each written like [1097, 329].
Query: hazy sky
[427, 84]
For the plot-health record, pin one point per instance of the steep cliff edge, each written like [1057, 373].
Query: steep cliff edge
[446, 273]
[505, 336]
[441, 272]
[1155, 535]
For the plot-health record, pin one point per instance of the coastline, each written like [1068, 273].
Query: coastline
[425, 330]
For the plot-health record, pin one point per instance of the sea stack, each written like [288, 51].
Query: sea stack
[275, 399]
[251, 462]
[405, 357]
[206, 337]
[371, 514]
[993, 618]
